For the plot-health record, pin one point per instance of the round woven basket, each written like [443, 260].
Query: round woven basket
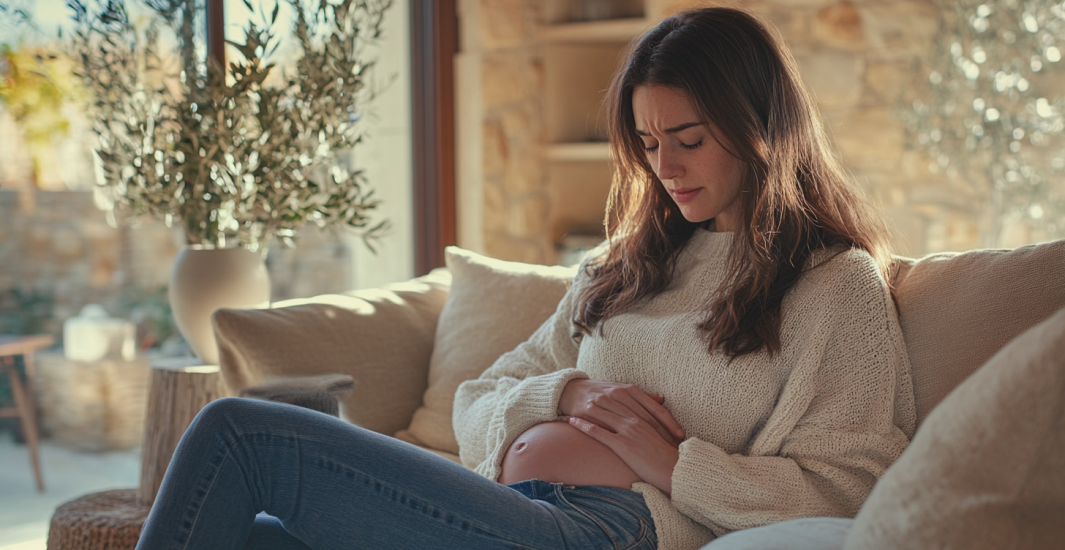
[110, 520]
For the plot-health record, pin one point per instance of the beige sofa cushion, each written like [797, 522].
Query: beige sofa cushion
[797, 534]
[957, 310]
[383, 338]
[493, 306]
[987, 469]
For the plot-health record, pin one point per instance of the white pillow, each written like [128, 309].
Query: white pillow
[493, 306]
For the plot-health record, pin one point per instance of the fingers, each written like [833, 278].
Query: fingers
[662, 416]
[650, 411]
[637, 445]
[614, 412]
[624, 401]
[582, 397]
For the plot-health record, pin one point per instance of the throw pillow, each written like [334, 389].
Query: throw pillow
[493, 306]
[957, 310]
[985, 470]
[382, 338]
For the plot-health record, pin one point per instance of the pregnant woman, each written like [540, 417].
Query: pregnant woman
[729, 358]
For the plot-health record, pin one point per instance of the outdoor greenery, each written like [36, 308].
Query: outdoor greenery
[249, 153]
[35, 84]
[992, 113]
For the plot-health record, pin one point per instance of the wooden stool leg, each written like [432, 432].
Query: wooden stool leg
[31, 402]
[28, 416]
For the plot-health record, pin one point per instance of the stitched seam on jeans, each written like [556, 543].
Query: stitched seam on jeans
[594, 519]
[199, 507]
[617, 502]
[646, 523]
[401, 498]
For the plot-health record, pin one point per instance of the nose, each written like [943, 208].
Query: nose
[667, 166]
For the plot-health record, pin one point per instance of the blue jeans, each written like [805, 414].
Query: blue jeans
[325, 484]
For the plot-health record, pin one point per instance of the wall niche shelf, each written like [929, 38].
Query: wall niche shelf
[610, 30]
[576, 152]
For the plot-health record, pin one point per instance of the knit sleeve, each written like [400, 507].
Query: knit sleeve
[521, 389]
[844, 415]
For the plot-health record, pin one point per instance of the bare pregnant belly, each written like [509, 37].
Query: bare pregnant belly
[557, 452]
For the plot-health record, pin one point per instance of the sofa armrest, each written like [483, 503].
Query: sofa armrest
[320, 393]
[382, 338]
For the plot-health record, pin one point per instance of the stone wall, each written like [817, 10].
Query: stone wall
[856, 56]
[58, 253]
[499, 37]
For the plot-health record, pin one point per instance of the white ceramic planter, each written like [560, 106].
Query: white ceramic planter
[206, 279]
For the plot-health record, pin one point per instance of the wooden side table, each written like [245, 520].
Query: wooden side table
[112, 520]
[179, 388]
[25, 401]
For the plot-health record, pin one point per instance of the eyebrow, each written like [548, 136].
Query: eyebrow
[672, 130]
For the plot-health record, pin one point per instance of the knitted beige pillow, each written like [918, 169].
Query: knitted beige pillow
[381, 337]
[987, 469]
[957, 310]
[493, 306]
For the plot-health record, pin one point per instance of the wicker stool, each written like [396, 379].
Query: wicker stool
[110, 520]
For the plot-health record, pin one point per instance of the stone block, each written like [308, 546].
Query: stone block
[793, 24]
[834, 78]
[907, 231]
[798, 3]
[66, 242]
[507, 78]
[524, 173]
[840, 26]
[502, 24]
[495, 207]
[530, 251]
[496, 148]
[102, 272]
[527, 217]
[915, 165]
[885, 81]
[951, 231]
[903, 29]
[39, 237]
[521, 121]
[870, 139]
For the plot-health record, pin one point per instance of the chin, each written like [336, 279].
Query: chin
[695, 216]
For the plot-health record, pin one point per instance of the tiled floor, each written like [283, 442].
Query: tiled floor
[25, 513]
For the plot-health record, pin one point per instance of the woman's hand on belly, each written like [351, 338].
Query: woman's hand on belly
[637, 444]
[588, 399]
[631, 423]
[558, 452]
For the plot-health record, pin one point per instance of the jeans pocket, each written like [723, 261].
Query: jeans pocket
[621, 515]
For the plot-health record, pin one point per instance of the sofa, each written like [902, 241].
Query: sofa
[984, 330]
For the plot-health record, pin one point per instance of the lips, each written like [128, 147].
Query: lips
[684, 194]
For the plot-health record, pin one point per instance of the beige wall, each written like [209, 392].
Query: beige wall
[857, 58]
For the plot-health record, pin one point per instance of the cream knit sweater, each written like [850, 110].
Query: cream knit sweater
[804, 432]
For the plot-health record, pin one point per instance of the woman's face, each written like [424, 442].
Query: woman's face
[701, 176]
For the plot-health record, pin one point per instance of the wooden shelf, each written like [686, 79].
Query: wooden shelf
[619, 30]
[576, 152]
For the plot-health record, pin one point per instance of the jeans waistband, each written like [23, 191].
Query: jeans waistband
[622, 515]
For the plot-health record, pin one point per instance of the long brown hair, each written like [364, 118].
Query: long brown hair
[795, 197]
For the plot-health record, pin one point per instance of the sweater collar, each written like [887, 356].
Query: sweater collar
[705, 244]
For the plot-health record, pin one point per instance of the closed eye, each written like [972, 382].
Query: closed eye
[695, 145]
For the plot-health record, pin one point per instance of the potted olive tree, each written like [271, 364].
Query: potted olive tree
[238, 156]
